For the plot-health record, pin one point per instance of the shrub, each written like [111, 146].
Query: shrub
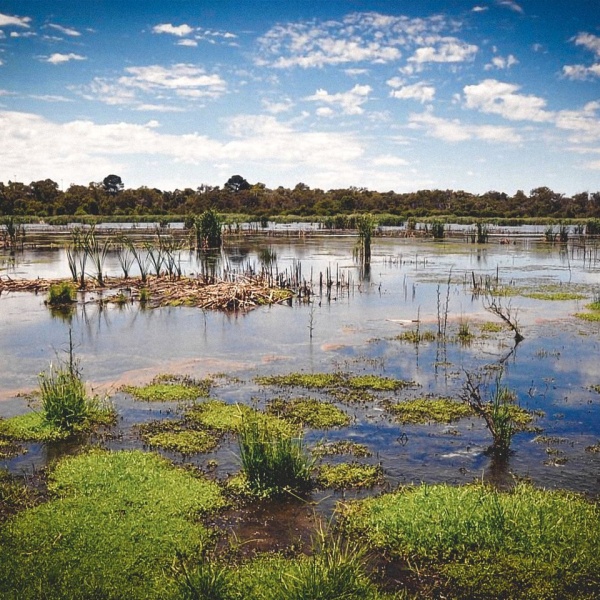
[60, 294]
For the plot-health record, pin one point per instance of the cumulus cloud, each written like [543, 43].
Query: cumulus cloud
[452, 130]
[420, 91]
[187, 42]
[581, 72]
[496, 97]
[349, 102]
[499, 62]
[445, 50]
[14, 21]
[176, 30]
[57, 58]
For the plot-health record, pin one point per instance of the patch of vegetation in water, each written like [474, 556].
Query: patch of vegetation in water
[345, 476]
[415, 336]
[10, 449]
[428, 410]
[588, 316]
[491, 327]
[114, 528]
[309, 412]
[341, 447]
[34, 427]
[554, 295]
[170, 388]
[327, 381]
[175, 436]
[475, 542]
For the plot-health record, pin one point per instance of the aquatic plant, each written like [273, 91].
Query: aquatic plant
[344, 476]
[61, 293]
[438, 230]
[208, 227]
[339, 447]
[477, 542]
[170, 388]
[176, 436]
[309, 412]
[273, 462]
[365, 224]
[493, 304]
[428, 410]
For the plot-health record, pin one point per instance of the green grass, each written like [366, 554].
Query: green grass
[273, 462]
[491, 327]
[175, 436]
[477, 542]
[14, 496]
[555, 295]
[425, 410]
[170, 388]
[309, 412]
[415, 336]
[349, 475]
[112, 530]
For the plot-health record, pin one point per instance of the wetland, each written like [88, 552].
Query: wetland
[370, 374]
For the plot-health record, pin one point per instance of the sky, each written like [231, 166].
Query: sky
[387, 95]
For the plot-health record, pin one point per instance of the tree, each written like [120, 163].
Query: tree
[236, 183]
[112, 184]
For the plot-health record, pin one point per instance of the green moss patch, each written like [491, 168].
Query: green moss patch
[554, 295]
[113, 530]
[33, 426]
[349, 475]
[170, 388]
[341, 447]
[477, 542]
[177, 437]
[309, 412]
[303, 380]
[426, 410]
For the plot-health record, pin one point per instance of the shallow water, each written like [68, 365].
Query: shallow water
[552, 370]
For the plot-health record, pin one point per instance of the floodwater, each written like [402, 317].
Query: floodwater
[352, 330]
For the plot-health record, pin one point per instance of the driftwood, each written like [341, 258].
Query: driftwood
[243, 294]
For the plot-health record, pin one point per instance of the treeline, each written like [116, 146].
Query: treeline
[45, 199]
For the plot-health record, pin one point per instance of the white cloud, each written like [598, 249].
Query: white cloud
[512, 5]
[276, 108]
[496, 97]
[584, 123]
[389, 160]
[499, 62]
[13, 21]
[589, 41]
[446, 50]
[358, 37]
[349, 102]
[581, 72]
[452, 130]
[57, 58]
[187, 42]
[421, 91]
[65, 30]
[479, 9]
[141, 85]
[179, 30]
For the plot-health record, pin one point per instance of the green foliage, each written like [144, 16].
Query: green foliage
[428, 410]
[177, 437]
[526, 543]
[15, 496]
[365, 224]
[170, 388]
[208, 228]
[273, 462]
[438, 230]
[309, 412]
[112, 530]
[349, 475]
[327, 381]
[61, 293]
[32, 427]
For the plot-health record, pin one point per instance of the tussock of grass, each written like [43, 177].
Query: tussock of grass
[526, 543]
[112, 531]
[170, 388]
[491, 327]
[349, 475]
[426, 410]
[309, 412]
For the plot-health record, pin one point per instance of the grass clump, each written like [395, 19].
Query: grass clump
[60, 294]
[428, 410]
[377, 383]
[309, 412]
[170, 388]
[175, 436]
[415, 336]
[349, 475]
[491, 327]
[274, 462]
[480, 543]
[112, 530]
[303, 380]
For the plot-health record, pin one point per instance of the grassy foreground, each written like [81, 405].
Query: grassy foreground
[475, 542]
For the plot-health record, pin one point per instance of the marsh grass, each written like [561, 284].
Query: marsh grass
[344, 476]
[429, 410]
[176, 436]
[170, 388]
[309, 412]
[274, 462]
[482, 543]
[112, 530]
[61, 293]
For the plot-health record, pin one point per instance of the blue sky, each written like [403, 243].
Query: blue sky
[388, 95]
